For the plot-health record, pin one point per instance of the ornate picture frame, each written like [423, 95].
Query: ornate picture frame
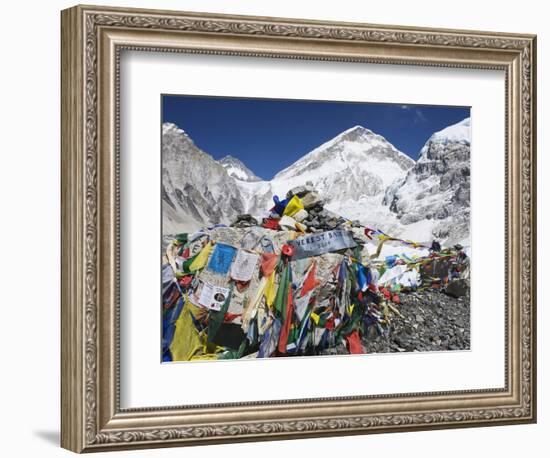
[92, 41]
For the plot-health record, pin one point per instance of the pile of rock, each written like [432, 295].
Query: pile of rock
[302, 282]
[314, 216]
[309, 215]
[432, 321]
[245, 220]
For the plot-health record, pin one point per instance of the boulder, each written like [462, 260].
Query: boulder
[299, 191]
[245, 220]
[300, 215]
[457, 288]
[287, 223]
[312, 200]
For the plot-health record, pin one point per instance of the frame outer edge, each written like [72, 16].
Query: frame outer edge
[81, 377]
[533, 247]
[72, 435]
[289, 20]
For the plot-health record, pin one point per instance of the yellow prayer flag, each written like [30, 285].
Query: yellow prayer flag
[188, 344]
[315, 317]
[202, 258]
[186, 341]
[270, 290]
[293, 207]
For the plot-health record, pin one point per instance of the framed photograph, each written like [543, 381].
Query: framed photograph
[278, 228]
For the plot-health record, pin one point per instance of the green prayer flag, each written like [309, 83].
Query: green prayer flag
[187, 263]
[282, 294]
[215, 317]
[182, 238]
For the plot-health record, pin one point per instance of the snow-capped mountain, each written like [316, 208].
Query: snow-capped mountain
[351, 172]
[436, 191]
[358, 173]
[357, 161]
[236, 169]
[196, 190]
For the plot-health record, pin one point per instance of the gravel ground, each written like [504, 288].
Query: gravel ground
[432, 321]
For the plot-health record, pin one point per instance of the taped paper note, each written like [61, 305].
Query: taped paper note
[244, 265]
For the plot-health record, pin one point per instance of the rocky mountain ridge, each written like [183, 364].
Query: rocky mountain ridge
[358, 173]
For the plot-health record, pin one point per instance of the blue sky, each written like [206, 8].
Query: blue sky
[270, 134]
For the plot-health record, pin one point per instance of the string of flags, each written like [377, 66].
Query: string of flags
[294, 284]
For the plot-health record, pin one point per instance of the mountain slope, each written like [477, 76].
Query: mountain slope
[196, 190]
[358, 161]
[437, 188]
[351, 172]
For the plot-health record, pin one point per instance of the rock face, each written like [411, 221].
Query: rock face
[196, 190]
[437, 188]
[358, 175]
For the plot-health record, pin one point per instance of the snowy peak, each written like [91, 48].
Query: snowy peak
[353, 133]
[196, 189]
[236, 169]
[178, 140]
[170, 128]
[455, 134]
[459, 132]
[359, 139]
[355, 150]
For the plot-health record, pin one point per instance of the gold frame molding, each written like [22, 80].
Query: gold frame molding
[92, 40]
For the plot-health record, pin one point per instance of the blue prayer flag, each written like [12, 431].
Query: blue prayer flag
[221, 258]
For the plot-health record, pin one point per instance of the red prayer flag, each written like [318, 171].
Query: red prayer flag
[268, 263]
[186, 281]
[310, 282]
[330, 323]
[354, 343]
[285, 330]
[271, 223]
[229, 317]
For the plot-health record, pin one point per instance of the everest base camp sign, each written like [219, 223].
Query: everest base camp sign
[320, 243]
